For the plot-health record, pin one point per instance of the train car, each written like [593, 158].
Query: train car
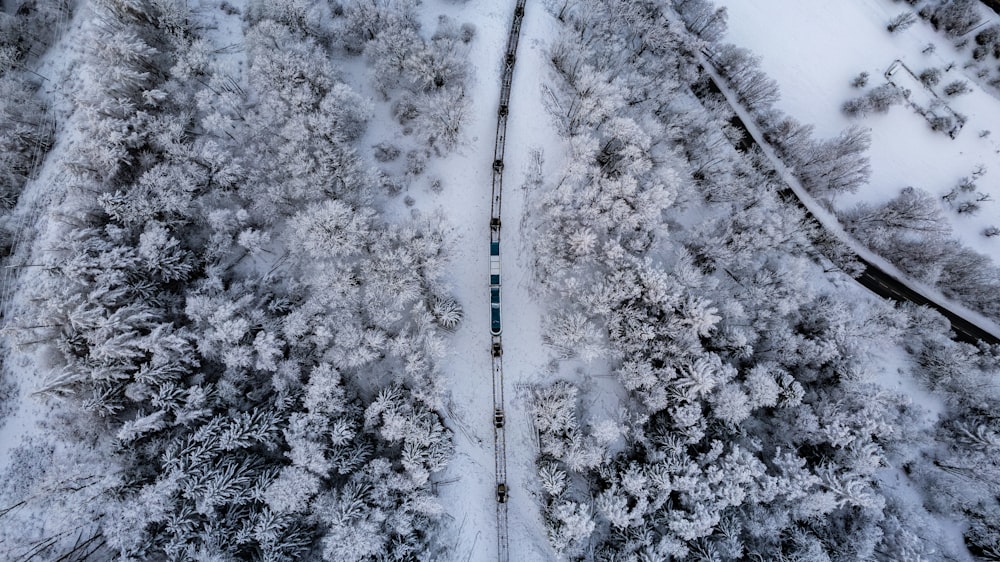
[494, 264]
[495, 325]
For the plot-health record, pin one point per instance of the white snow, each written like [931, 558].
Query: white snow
[526, 361]
[467, 488]
[832, 225]
[814, 48]
[25, 367]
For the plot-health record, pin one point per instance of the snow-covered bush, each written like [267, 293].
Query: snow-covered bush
[956, 17]
[901, 22]
[957, 88]
[877, 100]
[930, 77]
[942, 123]
[988, 36]
[447, 312]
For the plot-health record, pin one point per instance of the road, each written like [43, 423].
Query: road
[874, 277]
[499, 413]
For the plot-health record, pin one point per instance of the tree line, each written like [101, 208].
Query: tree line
[246, 349]
[754, 423]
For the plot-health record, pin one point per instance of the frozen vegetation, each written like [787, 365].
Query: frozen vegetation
[927, 103]
[245, 302]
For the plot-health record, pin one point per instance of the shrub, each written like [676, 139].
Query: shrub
[857, 107]
[468, 32]
[386, 152]
[860, 81]
[878, 100]
[416, 161]
[988, 36]
[968, 207]
[941, 123]
[447, 312]
[931, 77]
[886, 96]
[901, 22]
[957, 88]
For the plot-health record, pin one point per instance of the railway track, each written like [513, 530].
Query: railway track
[496, 325]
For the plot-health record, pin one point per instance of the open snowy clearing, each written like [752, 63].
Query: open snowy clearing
[817, 48]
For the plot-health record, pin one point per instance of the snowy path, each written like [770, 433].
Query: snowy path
[499, 435]
[25, 368]
[526, 360]
[879, 276]
[467, 489]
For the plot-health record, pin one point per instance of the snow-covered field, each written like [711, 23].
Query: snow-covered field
[815, 48]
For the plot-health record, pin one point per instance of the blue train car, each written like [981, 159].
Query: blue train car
[495, 325]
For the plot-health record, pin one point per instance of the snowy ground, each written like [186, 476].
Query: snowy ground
[815, 48]
[832, 225]
[467, 488]
[526, 361]
[23, 367]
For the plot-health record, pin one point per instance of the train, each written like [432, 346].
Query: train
[495, 324]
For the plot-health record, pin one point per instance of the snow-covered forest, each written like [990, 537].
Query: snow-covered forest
[244, 348]
[245, 302]
[763, 417]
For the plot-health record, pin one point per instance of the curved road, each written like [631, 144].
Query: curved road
[873, 277]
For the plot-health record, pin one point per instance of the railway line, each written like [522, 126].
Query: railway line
[496, 320]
